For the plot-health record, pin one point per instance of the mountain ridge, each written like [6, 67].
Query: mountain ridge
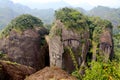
[9, 10]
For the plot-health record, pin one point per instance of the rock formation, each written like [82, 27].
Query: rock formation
[52, 73]
[27, 48]
[106, 44]
[74, 36]
[60, 39]
[14, 71]
[101, 39]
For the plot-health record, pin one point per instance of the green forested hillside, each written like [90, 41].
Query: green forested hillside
[110, 14]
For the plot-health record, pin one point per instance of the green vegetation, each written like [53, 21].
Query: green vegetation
[103, 71]
[73, 57]
[72, 19]
[1, 54]
[21, 23]
[55, 30]
[116, 37]
[25, 21]
[96, 28]
[95, 70]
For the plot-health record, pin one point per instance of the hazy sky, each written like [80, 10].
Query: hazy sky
[75, 3]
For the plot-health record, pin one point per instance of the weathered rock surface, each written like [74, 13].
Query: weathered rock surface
[106, 44]
[14, 71]
[50, 73]
[60, 39]
[27, 48]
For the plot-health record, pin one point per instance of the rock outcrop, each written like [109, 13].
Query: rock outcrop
[27, 48]
[74, 36]
[101, 39]
[50, 73]
[14, 71]
[106, 44]
[61, 40]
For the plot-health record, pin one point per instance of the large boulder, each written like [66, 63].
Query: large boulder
[23, 41]
[27, 48]
[14, 71]
[50, 73]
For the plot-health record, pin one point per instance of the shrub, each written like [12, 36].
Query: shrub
[103, 71]
[71, 18]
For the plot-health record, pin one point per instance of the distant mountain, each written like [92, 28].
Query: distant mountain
[6, 15]
[16, 7]
[81, 10]
[47, 15]
[110, 14]
[53, 5]
[9, 10]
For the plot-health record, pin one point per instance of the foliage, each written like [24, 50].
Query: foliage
[55, 31]
[25, 21]
[103, 71]
[99, 70]
[1, 54]
[21, 23]
[116, 37]
[77, 75]
[97, 26]
[73, 58]
[71, 18]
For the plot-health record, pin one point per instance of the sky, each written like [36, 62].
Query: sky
[88, 4]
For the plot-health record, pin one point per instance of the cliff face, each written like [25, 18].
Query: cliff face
[106, 44]
[69, 49]
[25, 48]
[67, 46]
